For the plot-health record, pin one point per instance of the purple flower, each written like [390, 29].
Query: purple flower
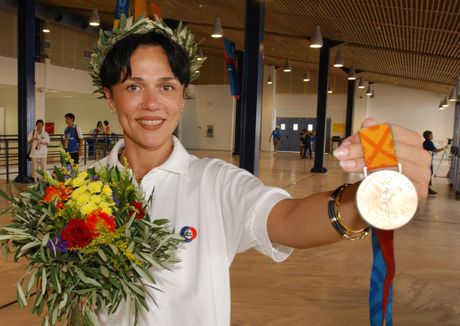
[115, 199]
[59, 244]
[69, 168]
[66, 177]
[95, 178]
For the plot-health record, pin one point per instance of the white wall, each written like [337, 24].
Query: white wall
[9, 101]
[213, 105]
[304, 106]
[87, 111]
[413, 109]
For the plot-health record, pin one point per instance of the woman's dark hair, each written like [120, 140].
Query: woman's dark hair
[116, 67]
[38, 121]
[99, 123]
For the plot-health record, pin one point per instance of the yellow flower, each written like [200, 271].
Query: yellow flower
[80, 179]
[95, 187]
[83, 198]
[105, 207]
[107, 191]
[87, 208]
[96, 199]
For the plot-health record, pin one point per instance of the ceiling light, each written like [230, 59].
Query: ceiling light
[46, 28]
[445, 102]
[269, 80]
[200, 55]
[217, 31]
[316, 41]
[351, 74]
[369, 90]
[361, 83]
[441, 107]
[306, 75]
[94, 18]
[338, 62]
[452, 97]
[287, 66]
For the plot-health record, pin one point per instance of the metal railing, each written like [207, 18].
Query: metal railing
[95, 147]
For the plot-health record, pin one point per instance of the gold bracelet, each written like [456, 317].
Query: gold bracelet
[336, 220]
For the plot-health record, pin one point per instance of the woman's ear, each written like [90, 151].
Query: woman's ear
[109, 99]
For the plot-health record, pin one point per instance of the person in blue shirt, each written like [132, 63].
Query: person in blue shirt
[429, 146]
[276, 135]
[73, 138]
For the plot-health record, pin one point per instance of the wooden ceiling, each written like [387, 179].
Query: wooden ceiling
[410, 43]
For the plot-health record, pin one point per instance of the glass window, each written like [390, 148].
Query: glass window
[310, 127]
[295, 126]
[283, 126]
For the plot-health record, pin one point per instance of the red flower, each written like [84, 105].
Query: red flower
[76, 233]
[137, 208]
[99, 222]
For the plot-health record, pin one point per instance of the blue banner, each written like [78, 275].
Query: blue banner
[121, 7]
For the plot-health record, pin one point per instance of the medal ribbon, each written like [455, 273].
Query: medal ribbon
[379, 152]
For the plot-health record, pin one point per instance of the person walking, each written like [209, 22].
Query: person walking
[276, 135]
[429, 146]
[73, 138]
[39, 141]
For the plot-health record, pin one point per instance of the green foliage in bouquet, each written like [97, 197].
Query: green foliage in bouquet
[88, 241]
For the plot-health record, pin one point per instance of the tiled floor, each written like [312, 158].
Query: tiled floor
[328, 286]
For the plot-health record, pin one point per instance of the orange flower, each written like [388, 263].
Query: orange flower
[99, 222]
[51, 192]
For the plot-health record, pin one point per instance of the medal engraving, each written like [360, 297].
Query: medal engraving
[386, 199]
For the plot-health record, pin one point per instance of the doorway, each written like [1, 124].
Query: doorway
[291, 128]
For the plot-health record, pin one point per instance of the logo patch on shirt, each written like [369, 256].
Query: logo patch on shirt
[189, 233]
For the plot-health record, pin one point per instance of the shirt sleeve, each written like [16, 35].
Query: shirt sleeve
[429, 146]
[47, 138]
[80, 135]
[246, 204]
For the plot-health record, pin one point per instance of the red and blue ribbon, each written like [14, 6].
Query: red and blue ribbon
[382, 275]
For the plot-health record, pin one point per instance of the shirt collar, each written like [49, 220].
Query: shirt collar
[177, 162]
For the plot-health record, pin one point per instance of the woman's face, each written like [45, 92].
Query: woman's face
[149, 103]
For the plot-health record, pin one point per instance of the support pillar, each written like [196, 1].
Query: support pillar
[252, 86]
[350, 107]
[26, 82]
[239, 71]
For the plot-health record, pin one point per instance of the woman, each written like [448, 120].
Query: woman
[39, 141]
[145, 79]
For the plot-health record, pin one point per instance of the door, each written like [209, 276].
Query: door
[290, 129]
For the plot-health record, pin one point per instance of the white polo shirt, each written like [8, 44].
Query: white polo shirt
[229, 208]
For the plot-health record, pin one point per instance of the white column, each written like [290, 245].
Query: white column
[268, 109]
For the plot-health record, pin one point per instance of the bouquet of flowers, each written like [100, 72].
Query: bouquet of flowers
[89, 243]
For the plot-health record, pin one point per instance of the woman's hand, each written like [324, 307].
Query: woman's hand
[414, 159]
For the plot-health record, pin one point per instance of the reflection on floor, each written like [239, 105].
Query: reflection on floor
[327, 286]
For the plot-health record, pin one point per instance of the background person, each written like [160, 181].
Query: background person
[429, 146]
[276, 136]
[39, 141]
[72, 138]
